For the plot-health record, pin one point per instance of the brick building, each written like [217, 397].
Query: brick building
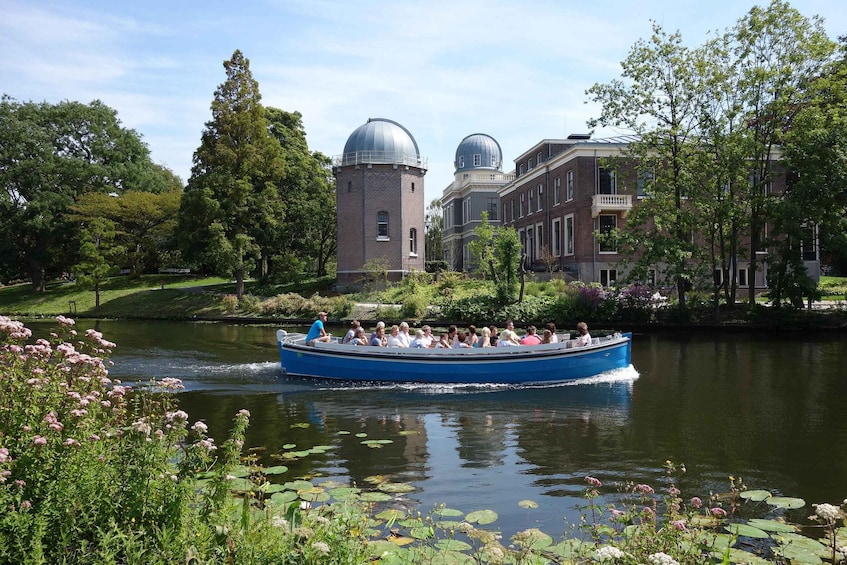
[380, 200]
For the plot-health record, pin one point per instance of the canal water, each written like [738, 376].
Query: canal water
[767, 408]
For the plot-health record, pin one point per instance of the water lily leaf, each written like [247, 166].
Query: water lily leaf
[408, 432]
[276, 470]
[241, 471]
[401, 540]
[396, 487]
[701, 520]
[283, 498]
[375, 479]
[482, 517]
[343, 433]
[452, 545]
[528, 504]
[540, 540]
[391, 514]
[383, 548]
[289, 455]
[298, 485]
[755, 495]
[241, 485]
[372, 444]
[741, 557]
[801, 544]
[786, 502]
[798, 554]
[375, 497]
[746, 530]
[421, 532]
[771, 525]
[448, 524]
[311, 491]
[568, 548]
[344, 493]
[448, 512]
[289, 446]
[361, 434]
[301, 425]
[301, 454]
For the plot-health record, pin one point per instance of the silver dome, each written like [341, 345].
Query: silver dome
[479, 151]
[381, 141]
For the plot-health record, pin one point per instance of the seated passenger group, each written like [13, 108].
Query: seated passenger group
[398, 336]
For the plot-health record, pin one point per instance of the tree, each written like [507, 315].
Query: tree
[507, 254]
[50, 154]
[481, 248]
[434, 225]
[231, 204]
[778, 53]
[309, 234]
[98, 254]
[660, 103]
[145, 223]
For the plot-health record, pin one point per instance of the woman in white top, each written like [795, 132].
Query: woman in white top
[485, 340]
[394, 339]
[418, 341]
[584, 338]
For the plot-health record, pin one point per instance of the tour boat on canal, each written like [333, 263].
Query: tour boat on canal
[520, 365]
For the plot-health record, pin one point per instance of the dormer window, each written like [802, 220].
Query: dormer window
[477, 160]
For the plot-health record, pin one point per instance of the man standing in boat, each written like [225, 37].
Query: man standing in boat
[317, 331]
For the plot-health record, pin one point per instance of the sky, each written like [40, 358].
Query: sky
[515, 70]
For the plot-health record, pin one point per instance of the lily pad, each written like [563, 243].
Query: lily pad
[283, 498]
[391, 515]
[786, 502]
[741, 557]
[289, 446]
[303, 425]
[448, 512]
[241, 471]
[276, 470]
[375, 479]
[528, 504]
[298, 485]
[401, 540]
[361, 434]
[755, 495]
[421, 532]
[343, 433]
[746, 530]
[375, 497]
[344, 493]
[241, 485]
[452, 545]
[771, 525]
[482, 517]
[272, 488]
[396, 487]
[408, 432]
[569, 548]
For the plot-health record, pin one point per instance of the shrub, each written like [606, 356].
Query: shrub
[229, 304]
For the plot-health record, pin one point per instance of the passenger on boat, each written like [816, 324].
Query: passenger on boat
[404, 334]
[531, 337]
[444, 342]
[394, 339]
[452, 332]
[584, 338]
[472, 338]
[351, 333]
[418, 341]
[361, 338]
[508, 339]
[485, 338]
[378, 338]
[495, 336]
[461, 340]
[548, 337]
[317, 331]
[428, 340]
[378, 325]
[553, 337]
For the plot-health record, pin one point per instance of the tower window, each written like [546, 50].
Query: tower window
[461, 161]
[413, 187]
[477, 160]
[382, 225]
[413, 242]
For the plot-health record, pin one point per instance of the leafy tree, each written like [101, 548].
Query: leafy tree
[308, 195]
[778, 54]
[231, 204]
[481, 248]
[507, 254]
[50, 154]
[660, 102]
[98, 255]
[145, 223]
[434, 225]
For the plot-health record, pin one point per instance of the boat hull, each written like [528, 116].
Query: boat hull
[526, 365]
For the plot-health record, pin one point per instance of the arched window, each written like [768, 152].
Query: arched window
[382, 225]
[413, 242]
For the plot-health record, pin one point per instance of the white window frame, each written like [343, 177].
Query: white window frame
[540, 204]
[743, 275]
[569, 188]
[610, 276]
[557, 237]
[600, 229]
[557, 191]
[521, 207]
[477, 159]
[413, 242]
[539, 240]
[461, 162]
[570, 238]
[529, 208]
[379, 223]
[539, 158]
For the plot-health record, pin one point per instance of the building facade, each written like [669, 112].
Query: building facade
[380, 201]
[477, 181]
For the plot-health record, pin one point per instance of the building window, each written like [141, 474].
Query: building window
[512, 209]
[466, 211]
[382, 225]
[608, 277]
[644, 184]
[529, 208]
[477, 160]
[413, 187]
[461, 164]
[557, 237]
[413, 242]
[569, 186]
[529, 163]
[349, 186]
[539, 158]
[606, 181]
[520, 209]
[529, 248]
[569, 234]
[520, 169]
[608, 223]
[763, 236]
[557, 190]
[492, 209]
[808, 243]
[742, 277]
[505, 215]
[539, 240]
[651, 277]
[494, 161]
[540, 202]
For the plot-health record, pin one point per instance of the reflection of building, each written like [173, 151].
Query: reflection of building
[380, 201]
[478, 178]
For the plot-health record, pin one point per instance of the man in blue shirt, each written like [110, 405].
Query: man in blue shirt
[317, 331]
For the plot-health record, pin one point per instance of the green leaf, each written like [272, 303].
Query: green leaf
[741, 557]
[299, 485]
[375, 497]
[755, 495]
[746, 530]
[771, 525]
[482, 517]
[289, 446]
[448, 512]
[276, 470]
[283, 498]
[396, 487]
[528, 504]
[452, 545]
[786, 502]
[391, 514]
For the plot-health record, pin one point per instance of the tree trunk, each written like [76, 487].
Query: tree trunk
[36, 272]
[239, 283]
[96, 295]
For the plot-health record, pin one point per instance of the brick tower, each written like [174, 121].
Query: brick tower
[380, 200]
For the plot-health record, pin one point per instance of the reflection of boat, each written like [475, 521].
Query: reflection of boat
[536, 364]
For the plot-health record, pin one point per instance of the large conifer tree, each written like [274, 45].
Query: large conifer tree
[231, 203]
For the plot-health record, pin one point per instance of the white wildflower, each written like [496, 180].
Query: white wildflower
[321, 547]
[827, 512]
[607, 553]
[661, 559]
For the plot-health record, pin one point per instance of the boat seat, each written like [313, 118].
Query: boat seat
[595, 341]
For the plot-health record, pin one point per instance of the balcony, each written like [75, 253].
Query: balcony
[602, 203]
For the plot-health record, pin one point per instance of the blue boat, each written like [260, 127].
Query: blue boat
[520, 365]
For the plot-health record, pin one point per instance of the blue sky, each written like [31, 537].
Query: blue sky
[517, 71]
